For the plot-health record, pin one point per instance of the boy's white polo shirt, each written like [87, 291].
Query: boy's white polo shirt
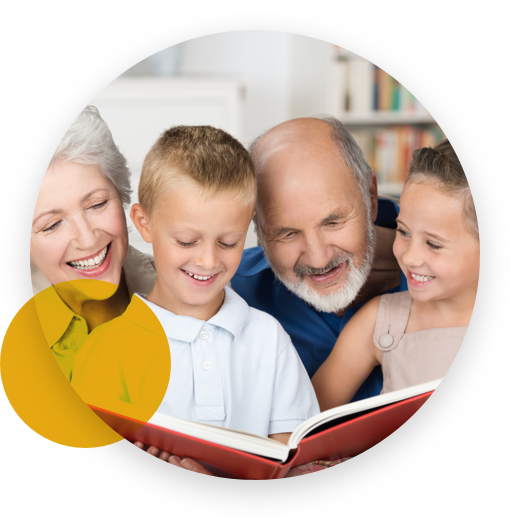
[238, 370]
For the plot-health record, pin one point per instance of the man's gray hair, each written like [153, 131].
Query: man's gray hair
[89, 141]
[350, 151]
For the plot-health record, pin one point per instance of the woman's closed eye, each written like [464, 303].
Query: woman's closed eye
[99, 205]
[51, 227]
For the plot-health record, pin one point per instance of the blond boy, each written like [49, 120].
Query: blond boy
[232, 365]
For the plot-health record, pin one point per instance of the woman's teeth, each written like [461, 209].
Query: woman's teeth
[91, 263]
[196, 277]
[420, 278]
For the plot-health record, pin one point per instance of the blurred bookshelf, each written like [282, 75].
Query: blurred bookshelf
[386, 120]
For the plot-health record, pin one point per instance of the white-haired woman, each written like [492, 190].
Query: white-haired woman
[79, 232]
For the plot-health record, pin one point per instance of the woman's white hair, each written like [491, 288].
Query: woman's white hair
[89, 141]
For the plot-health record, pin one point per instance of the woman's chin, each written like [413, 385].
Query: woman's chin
[87, 289]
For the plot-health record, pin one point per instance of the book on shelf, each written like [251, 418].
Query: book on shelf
[360, 87]
[388, 150]
[345, 431]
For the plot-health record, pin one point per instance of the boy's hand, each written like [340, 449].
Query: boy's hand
[189, 464]
[153, 450]
[186, 463]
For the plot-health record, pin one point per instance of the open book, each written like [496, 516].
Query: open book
[344, 431]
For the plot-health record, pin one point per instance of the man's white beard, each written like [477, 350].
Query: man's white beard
[347, 292]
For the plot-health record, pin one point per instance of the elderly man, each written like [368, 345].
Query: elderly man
[326, 237]
[326, 241]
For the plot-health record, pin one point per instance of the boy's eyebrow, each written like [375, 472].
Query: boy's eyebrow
[187, 230]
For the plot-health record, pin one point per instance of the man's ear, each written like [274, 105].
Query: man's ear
[373, 196]
[141, 222]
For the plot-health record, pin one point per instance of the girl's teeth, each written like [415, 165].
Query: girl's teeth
[420, 278]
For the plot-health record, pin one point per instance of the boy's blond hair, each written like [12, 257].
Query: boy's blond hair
[208, 158]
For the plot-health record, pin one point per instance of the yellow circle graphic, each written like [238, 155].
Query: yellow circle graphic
[121, 369]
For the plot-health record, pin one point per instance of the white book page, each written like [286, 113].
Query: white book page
[365, 404]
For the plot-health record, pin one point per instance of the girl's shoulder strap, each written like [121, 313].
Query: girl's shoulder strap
[392, 316]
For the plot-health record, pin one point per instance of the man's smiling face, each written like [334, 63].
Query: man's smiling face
[312, 219]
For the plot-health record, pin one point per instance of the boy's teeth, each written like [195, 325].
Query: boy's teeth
[420, 278]
[91, 263]
[197, 277]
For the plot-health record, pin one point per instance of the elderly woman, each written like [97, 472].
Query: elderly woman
[79, 232]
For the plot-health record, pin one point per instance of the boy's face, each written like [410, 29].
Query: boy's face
[198, 244]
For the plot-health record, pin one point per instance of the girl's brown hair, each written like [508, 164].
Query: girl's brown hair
[441, 164]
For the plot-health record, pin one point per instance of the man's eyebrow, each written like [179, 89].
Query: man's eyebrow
[337, 215]
[278, 232]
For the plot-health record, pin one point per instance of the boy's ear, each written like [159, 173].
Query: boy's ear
[141, 222]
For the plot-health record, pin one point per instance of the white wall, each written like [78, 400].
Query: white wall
[285, 75]
[261, 60]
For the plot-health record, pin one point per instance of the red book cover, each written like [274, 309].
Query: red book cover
[345, 437]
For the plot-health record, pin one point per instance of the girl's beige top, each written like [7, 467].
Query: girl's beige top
[416, 357]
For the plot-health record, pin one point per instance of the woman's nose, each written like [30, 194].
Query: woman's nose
[84, 235]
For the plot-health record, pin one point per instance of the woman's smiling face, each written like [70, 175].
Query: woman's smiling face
[79, 228]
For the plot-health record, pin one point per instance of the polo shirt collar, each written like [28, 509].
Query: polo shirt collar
[54, 315]
[233, 313]
[231, 317]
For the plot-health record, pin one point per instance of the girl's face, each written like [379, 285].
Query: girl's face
[79, 229]
[435, 250]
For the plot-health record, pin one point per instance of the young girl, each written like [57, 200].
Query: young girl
[415, 335]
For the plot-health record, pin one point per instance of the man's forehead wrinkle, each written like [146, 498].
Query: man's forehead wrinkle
[308, 135]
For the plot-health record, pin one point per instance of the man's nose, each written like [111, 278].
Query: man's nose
[316, 251]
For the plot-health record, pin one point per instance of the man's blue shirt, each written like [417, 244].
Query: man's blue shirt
[313, 333]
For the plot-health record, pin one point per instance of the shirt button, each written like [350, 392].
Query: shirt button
[203, 335]
[207, 365]
[386, 340]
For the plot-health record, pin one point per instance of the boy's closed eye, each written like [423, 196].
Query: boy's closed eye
[221, 244]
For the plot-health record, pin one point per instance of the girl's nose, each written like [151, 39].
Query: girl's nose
[412, 256]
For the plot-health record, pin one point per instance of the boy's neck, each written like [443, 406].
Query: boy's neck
[162, 297]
